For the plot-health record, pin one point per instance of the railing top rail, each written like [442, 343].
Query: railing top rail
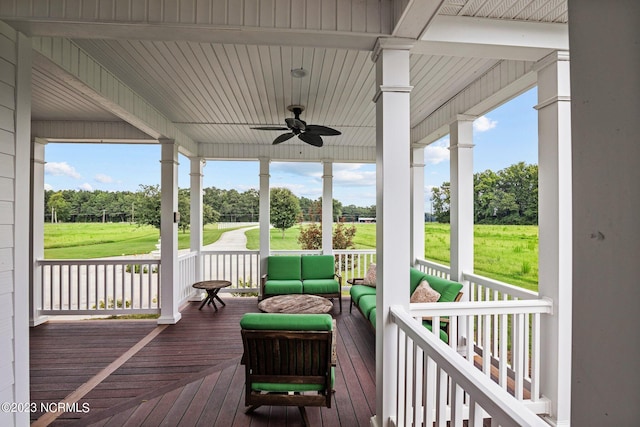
[434, 265]
[500, 286]
[480, 307]
[500, 405]
[100, 261]
[354, 251]
[238, 252]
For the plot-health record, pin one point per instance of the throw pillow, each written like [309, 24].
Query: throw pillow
[425, 293]
[370, 277]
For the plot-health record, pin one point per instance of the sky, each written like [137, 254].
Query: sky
[502, 137]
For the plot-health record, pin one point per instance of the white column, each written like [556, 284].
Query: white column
[461, 206]
[554, 220]
[265, 217]
[417, 204]
[37, 230]
[327, 208]
[393, 197]
[169, 313]
[195, 220]
[23, 266]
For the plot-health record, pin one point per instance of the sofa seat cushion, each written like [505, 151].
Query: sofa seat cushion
[286, 267]
[318, 267]
[358, 291]
[443, 334]
[320, 286]
[448, 289]
[366, 304]
[272, 287]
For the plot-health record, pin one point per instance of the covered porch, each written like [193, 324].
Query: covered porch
[195, 81]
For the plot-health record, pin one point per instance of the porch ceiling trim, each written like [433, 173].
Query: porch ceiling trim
[292, 152]
[63, 59]
[87, 131]
[501, 83]
[492, 38]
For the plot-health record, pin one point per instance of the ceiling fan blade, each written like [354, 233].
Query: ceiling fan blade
[322, 130]
[283, 138]
[270, 128]
[311, 138]
[295, 123]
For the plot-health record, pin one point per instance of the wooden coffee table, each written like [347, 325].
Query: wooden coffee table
[212, 287]
[296, 304]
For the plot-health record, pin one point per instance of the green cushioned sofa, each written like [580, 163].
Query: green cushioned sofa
[302, 274]
[364, 297]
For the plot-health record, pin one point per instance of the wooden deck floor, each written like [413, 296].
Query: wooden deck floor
[135, 373]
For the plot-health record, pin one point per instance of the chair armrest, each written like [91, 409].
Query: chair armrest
[263, 281]
[339, 277]
[356, 281]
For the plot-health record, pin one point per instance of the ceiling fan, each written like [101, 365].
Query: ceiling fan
[311, 134]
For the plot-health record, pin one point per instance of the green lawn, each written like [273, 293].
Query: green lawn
[99, 240]
[506, 253]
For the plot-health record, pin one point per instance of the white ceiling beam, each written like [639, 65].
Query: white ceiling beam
[298, 152]
[74, 67]
[201, 34]
[88, 131]
[492, 38]
[415, 18]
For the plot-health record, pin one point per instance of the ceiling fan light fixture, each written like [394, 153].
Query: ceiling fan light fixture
[298, 73]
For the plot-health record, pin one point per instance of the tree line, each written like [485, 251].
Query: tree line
[143, 206]
[509, 196]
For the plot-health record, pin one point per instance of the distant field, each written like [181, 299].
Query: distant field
[506, 253]
[99, 240]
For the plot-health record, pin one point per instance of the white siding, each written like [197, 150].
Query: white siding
[7, 204]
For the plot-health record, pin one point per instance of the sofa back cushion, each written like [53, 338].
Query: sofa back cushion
[285, 267]
[317, 267]
[415, 277]
[448, 289]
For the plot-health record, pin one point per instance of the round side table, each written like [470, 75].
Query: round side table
[212, 287]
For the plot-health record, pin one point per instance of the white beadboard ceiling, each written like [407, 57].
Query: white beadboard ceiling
[214, 92]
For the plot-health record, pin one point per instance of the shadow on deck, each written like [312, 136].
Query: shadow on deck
[135, 373]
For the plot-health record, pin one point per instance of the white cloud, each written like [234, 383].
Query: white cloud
[352, 175]
[61, 169]
[47, 187]
[86, 187]
[437, 152]
[104, 179]
[483, 124]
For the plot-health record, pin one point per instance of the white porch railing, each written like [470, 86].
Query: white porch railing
[241, 268]
[497, 328]
[99, 286]
[187, 275]
[436, 384]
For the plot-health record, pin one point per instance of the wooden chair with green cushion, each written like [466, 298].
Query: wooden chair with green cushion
[289, 360]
